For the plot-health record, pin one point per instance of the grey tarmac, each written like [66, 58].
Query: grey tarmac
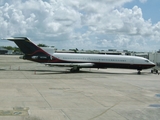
[33, 91]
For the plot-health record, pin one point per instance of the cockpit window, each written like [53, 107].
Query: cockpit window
[147, 61]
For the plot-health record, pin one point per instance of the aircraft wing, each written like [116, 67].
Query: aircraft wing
[71, 64]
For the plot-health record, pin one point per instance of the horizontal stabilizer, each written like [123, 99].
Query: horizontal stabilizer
[18, 38]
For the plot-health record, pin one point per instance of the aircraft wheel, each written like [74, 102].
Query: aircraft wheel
[71, 70]
[139, 72]
[74, 70]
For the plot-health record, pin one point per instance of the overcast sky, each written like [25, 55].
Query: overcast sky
[83, 24]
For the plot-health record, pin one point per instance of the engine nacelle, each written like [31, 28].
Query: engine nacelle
[34, 57]
[41, 57]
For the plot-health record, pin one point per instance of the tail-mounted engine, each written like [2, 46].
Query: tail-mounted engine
[28, 57]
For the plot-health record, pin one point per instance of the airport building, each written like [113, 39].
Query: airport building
[155, 57]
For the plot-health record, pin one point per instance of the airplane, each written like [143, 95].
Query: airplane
[77, 61]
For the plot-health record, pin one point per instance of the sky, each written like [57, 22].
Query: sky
[132, 25]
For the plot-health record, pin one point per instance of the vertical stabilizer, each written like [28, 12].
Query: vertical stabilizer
[30, 50]
[25, 45]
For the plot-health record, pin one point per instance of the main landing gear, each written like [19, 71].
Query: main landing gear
[75, 69]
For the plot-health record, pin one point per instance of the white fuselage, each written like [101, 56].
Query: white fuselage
[97, 58]
[106, 61]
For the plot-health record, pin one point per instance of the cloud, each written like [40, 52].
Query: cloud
[83, 24]
[143, 1]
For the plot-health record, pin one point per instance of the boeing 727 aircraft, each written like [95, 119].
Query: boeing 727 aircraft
[78, 61]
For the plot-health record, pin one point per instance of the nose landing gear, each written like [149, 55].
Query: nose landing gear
[139, 71]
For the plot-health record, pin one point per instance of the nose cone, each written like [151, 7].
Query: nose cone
[152, 64]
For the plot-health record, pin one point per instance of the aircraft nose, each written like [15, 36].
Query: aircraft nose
[153, 64]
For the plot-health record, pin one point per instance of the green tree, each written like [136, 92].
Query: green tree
[8, 47]
[42, 45]
[16, 49]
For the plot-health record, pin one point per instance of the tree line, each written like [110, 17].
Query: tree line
[17, 50]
